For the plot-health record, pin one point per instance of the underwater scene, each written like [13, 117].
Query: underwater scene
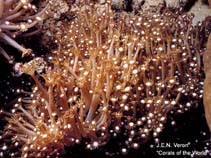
[105, 78]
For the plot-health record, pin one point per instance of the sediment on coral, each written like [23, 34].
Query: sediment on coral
[111, 73]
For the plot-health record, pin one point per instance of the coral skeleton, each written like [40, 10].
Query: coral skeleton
[201, 11]
[145, 5]
[111, 73]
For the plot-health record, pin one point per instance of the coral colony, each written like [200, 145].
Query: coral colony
[111, 73]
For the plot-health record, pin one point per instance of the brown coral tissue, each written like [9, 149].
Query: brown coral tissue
[111, 74]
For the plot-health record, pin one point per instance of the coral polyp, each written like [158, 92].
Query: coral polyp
[18, 16]
[111, 73]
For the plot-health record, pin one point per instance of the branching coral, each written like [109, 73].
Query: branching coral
[17, 16]
[111, 73]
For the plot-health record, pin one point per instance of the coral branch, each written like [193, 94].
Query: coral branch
[207, 83]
